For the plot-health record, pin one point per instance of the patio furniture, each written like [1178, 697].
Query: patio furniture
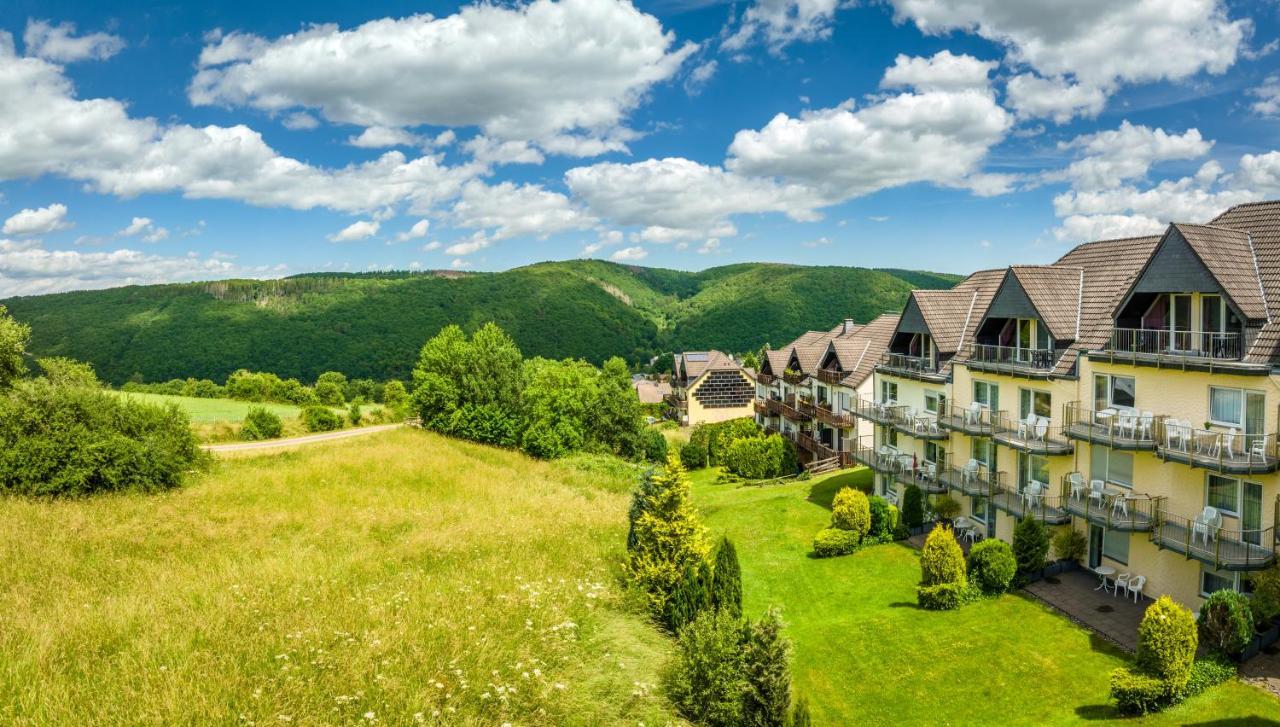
[1105, 417]
[1127, 422]
[930, 471]
[1097, 491]
[1042, 428]
[1104, 571]
[1134, 587]
[973, 415]
[1229, 443]
[1027, 426]
[1258, 450]
[1031, 494]
[1206, 524]
[1120, 505]
[1144, 426]
[1077, 485]
[1121, 581]
[969, 474]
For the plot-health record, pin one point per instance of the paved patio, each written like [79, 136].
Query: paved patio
[1072, 593]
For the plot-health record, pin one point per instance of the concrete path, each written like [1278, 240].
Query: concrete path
[236, 447]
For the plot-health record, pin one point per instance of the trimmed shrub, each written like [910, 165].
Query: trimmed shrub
[1226, 623]
[705, 680]
[942, 597]
[766, 664]
[1207, 673]
[1137, 693]
[941, 559]
[851, 511]
[881, 522]
[1030, 546]
[320, 419]
[726, 579]
[692, 456]
[754, 457]
[913, 507]
[895, 520]
[653, 445]
[946, 507]
[1069, 544]
[831, 542]
[992, 566]
[260, 424]
[1265, 602]
[1167, 643]
[691, 596]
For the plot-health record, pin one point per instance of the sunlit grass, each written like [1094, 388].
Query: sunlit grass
[218, 420]
[390, 579]
[864, 654]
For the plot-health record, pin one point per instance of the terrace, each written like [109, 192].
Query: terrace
[1014, 360]
[974, 419]
[904, 467]
[1032, 502]
[842, 419]
[1113, 508]
[924, 368]
[973, 479]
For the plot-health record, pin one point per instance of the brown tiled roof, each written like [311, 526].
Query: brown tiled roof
[1055, 291]
[858, 352]
[1228, 254]
[1262, 221]
[777, 360]
[952, 316]
[697, 363]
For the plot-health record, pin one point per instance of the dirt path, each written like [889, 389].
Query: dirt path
[237, 447]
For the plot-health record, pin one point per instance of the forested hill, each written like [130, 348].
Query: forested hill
[371, 325]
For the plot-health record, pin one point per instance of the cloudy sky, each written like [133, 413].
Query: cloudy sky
[167, 143]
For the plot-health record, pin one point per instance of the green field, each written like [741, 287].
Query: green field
[207, 411]
[865, 654]
[369, 582]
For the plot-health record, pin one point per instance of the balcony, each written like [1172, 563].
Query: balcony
[1114, 427]
[790, 407]
[839, 419]
[1041, 436]
[831, 376]
[1227, 452]
[975, 419]
[761, 407]
[1220, 547]
[1162, 346]
[925, 368]
[1047, 508]
[1012, 360]
[974, 479]
[1113, 508]
[887, 413]
[794, 377]
[904, 468]
[813, 446]
[765, 379]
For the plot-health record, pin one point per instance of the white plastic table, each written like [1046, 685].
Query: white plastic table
[1103, 572]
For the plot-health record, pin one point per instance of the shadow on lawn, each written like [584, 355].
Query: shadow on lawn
[822, 493]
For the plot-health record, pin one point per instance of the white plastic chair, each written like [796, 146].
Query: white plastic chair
[1027, 426]
[1127, 422]
[1144, 426]
[1042, 428]
[1098, 491]
[973, 415]
[1206, 524]
[1031, 494]
[1120, 505]
[969, 474]
[1077, 484]
[1122, 581]
[1258, 450]
[1134, 587]
[1229, 443]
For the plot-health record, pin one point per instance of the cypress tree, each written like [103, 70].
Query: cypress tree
[726, 588]
[800, 715]
[691, 596]
[766, 664]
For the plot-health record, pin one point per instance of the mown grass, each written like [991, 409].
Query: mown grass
[399, 578]
[865, 654]
[218, 420]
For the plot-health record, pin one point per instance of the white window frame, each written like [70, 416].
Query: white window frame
[1110, 387]
[1243, 405]
[1233, 576]
[988, 387]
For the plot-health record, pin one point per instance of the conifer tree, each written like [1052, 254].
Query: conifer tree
[668, 535]
[726, 589]
[766, 665]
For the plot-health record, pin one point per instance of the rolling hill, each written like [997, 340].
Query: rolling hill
[372, 324]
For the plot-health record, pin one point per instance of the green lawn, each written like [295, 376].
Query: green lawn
[203, 411]
[865, 654]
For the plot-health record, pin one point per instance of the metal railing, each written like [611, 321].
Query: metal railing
[970, 419]
[1041, 505]
[1225, 451]
[880, 412]
[1159, 342]
[1042, 435]
[909, 364]
[975, 480]
[1114, 427]
[1231, 549]
[1115, 508]
[1011, 357]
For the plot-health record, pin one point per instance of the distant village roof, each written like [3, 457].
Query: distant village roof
[651, 392]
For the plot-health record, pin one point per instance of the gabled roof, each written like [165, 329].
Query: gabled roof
[1054, 291]
[1228, 254]
[776, 360]
[857, 353]
[691, 365]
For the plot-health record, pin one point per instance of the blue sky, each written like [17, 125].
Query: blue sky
[169, 142]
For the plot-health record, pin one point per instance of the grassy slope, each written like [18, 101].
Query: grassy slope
[373, 326]
[203, 411]
[327, 583]
[866, 655]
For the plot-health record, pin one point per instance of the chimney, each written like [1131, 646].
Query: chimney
[848, 324]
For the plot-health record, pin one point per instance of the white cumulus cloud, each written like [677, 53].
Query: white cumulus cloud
[358, 230]
[630, 254]
[39, 221]
[60, 44]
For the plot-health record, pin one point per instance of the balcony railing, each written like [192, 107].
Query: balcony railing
[1113, 426]
[904, 467]
[1030, 502]
[794, 377]
[841, 419]
[909, 365]
[1162, 343]
[1229, 451]
[1011, 358]
[808, 443]
[1220, 547]
[831, 376]
[1039, 435]
[790, 408]
[1108, 506]
[881, 412]
[973, 419]
[766, 379]
[972, 478]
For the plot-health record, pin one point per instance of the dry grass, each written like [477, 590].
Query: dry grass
[392, 579]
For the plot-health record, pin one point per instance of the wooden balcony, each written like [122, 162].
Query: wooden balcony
[838, 419]
[831, 376]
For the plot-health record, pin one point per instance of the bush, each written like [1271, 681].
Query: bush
[851, 511]
[1226, 623]
[881, 521]
[1167, 643]
[1265, 602]
[766, 665]
[354, 415]
[1030, 546]
[941, 559]
[654, 446]
[260, 424]
[75, 441]
[320, 419]
[992, 566]
[1137, 693]
[946, 507]
[942, 597]
[831, 542]
[666, 535]
[1207, 673]
[1069, 544]
[913, 507]
[726, 583]
[800, 715]
[705, 680]
[692, 596]
[754, 458]
[692, 456]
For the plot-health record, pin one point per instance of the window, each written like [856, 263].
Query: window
[1212, 580]
[985, 392]
[934, 452]
[934, 401]
[1035, 402]
[1115, 545]
[888, 391]
[1032, 468]
[891, 436]
[1235, 498]
[1237, 408]
[1223, 493]
[1114, 391]
[978, 506]
[1110, 465]
[983, 451]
